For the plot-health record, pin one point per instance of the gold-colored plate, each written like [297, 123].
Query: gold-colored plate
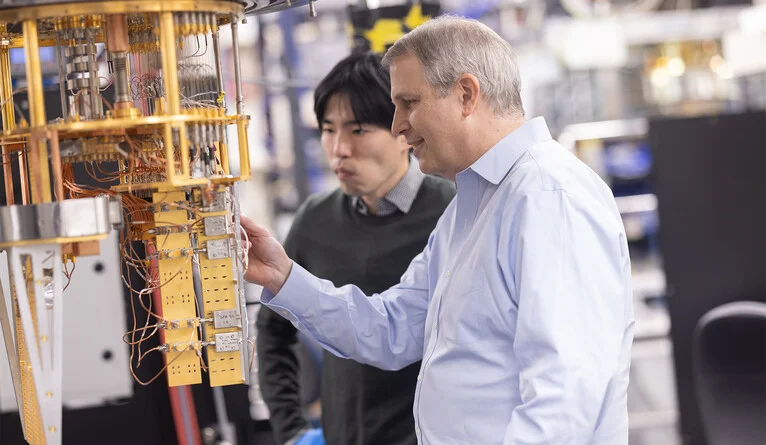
[178, 300]
[219, 293]
[118, 7]
[52, 241]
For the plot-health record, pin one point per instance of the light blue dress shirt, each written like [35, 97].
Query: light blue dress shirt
[520, 306]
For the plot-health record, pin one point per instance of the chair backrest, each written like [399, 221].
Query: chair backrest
[730, 373]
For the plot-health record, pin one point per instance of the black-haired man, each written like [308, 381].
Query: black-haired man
[365, 233]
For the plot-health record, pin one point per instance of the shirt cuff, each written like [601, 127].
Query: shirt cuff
[296, 296]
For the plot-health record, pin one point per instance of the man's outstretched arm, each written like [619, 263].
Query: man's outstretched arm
[384, 330]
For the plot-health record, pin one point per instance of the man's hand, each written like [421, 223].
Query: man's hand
[268, 264]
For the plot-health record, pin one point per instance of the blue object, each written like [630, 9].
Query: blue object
[628, 160]
[313, 437]
[520, 306]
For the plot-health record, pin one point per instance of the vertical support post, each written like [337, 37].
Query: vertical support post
[244, 154]
[170, 161]
[62, 78]
[58, 180]
[6, 88]
[8, 176]
[237, 70]
[93, 80]
[223, 148]
[40, 181]
[244, 161]
[34, 74]
[7, 112]
[172, 94]
[169, 63]
[223, 151]
[23, 178]
[218, 67]
[183, 144]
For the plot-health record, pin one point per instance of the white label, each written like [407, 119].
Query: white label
[227, 319]
[227, 342]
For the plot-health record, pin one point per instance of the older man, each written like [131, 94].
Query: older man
[520, 306]
[364, 232]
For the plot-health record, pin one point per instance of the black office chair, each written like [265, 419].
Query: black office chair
[730, 373]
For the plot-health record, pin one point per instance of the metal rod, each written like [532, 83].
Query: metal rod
[312, 9]
[218, 68]
[244, 154]
[9, 118]
[93, 81]
[6, 87]
[222, 149]
[219, 402]
[62, 78]
[8, 176]
[170, 165]
[23, 178]
[35, 166]
[237, 71]
[223, 152]
[34, 74]
[58, 180]
[169, 63]
[40, 181]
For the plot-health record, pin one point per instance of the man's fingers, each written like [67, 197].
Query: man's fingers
[247, 223]
[251, 227]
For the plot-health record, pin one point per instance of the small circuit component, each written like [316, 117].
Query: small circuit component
[228, 342]
[169, 254]
[181, 324]
[219, 203]
[183, 346]
[215, 225]
[218, 248]
[229, 318]
[166, 230]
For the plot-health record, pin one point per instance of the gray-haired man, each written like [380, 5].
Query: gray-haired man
[520, 306]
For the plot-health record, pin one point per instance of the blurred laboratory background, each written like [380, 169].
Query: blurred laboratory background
[664, 99]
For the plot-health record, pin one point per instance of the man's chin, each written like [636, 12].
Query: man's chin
[349, 190]
[425, 166]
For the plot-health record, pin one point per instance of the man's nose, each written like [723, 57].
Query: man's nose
[400, 124]
[342, 146]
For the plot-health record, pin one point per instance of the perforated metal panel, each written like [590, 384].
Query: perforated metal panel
[219, 292]
[178, 302]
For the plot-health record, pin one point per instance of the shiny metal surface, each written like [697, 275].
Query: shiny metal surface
[266, 6]
[64, 219]
[251, 6]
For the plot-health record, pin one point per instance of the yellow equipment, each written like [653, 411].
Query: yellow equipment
[162, 154]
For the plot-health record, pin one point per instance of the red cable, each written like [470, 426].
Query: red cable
[174, 391]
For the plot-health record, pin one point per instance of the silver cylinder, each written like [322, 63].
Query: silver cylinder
[121, 84]
[80, 105]
[237, 70]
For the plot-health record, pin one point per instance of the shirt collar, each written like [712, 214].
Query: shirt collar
[400, 197]
[495, 163]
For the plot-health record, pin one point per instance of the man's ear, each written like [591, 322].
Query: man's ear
[469, 90]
